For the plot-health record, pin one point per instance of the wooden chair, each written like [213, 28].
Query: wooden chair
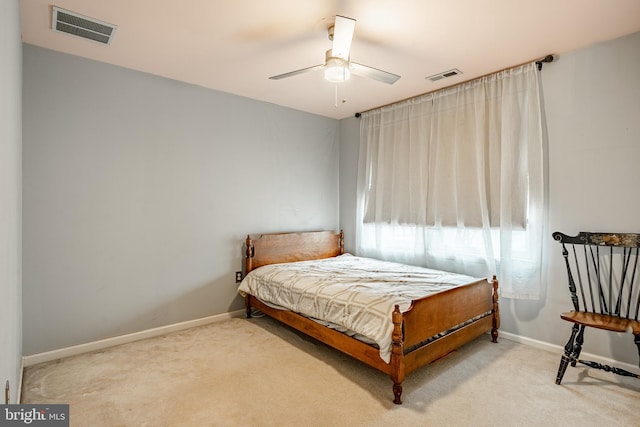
[604, 281]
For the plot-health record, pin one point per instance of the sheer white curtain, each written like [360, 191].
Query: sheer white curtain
[453, 180]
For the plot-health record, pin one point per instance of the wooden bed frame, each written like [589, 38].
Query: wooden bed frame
[413, 345]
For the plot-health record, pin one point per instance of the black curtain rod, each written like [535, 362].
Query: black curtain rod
[539, 62]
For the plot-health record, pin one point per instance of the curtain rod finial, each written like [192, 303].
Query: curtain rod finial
[358, 115]
[548, 58]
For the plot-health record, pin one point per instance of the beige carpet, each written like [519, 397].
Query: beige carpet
[259, 373]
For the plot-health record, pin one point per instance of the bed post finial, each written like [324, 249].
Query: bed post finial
[249, 251]
[341, 242]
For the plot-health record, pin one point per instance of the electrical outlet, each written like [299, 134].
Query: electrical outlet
[238, 276]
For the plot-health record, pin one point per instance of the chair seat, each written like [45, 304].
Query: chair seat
[602, 321]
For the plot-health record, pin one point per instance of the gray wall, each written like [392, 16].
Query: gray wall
[10, 196]
[139, 192]
[592, 99]
[349, 146]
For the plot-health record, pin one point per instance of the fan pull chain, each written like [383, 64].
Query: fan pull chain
[344, 91]
[335, 95]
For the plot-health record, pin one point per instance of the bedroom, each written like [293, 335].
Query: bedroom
[121, 236]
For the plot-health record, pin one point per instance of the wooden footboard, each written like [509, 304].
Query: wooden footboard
[431, 328]
[469, 310]
[437, 325]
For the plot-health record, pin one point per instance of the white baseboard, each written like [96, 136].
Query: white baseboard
[559, 350]
[48, 356]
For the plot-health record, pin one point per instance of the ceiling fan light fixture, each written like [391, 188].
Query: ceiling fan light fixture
[336, 71]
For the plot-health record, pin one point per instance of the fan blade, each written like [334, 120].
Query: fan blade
[296, 72]
[374, 73]
[342, 35]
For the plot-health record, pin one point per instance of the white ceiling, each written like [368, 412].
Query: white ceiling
[235, 45]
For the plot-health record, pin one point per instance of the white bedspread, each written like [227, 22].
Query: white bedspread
[354, 292]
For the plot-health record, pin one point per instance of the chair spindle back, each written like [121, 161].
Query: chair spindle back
[603, 272]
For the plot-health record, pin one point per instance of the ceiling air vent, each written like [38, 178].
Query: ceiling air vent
[64, 21]
[444, 75]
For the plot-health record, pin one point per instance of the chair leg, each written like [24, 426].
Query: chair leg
[577, 349]
[567, 356]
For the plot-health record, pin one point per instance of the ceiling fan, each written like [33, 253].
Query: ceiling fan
[338, 66]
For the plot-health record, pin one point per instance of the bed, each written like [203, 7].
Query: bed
[418, 330]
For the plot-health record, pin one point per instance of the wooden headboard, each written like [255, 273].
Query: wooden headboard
[289, 247]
